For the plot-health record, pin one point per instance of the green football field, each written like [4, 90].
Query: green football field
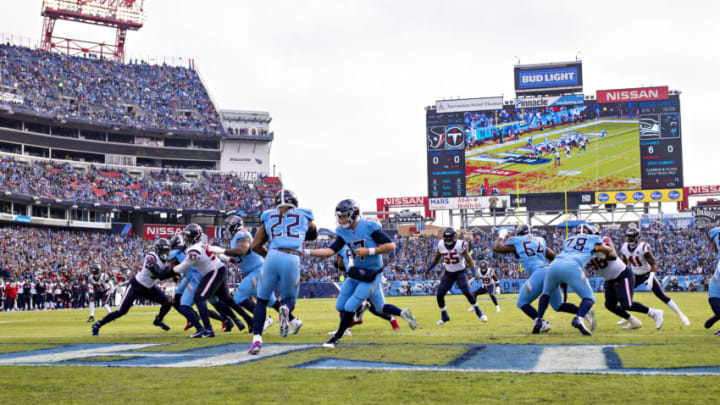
[611, 163]
[454, 363]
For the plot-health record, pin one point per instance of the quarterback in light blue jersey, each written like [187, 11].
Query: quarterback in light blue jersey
[568, 267]
[714, 287]
[367, 242]
[533, 254]
[284, 228]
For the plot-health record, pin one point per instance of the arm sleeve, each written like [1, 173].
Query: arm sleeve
[311, 234]
[337, 244]
[187, 263]
[380, 237]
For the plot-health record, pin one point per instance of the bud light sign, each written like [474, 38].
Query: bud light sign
[531, 79]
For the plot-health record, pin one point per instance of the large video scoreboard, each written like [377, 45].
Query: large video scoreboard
[624, 140]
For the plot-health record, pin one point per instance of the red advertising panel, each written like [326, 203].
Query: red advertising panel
[384, 204]
[637, 94]
[152, 231]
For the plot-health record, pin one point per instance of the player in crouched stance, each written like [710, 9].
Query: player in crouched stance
[714, 287]
[455, 254]
[367, 242]
[489, 283]
[638, 255]
[619, 287]
[144, 284]
[532, 253]
[568, 267]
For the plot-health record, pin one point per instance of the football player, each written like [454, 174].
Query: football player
[367, 242]
[619, 286]
[101, 286]
[250, 264]
[284, 229]
[533, 255]
[144, 284]
[714, 287]
[638, 255]
[489, 282]
[345, 256]
[455, 254]
[568, 267]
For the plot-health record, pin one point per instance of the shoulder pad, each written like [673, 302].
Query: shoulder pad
[244, 234]
[307, 213]
[372, 225]
[193, 254]
[266, 214]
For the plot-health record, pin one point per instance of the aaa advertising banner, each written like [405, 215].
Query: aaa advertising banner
[639, 196]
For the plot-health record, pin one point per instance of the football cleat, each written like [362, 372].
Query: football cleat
[717, 333]
[394, 323]
[347, 333]
[95, 329]
[444, 318]
[295, 326]
[202, 333]
[483, 318]
[332, 343]
[283, 320]
[579, 324]
[471, 309]
[497, 308]
[537, 325]
[268, 323]
[227, 326]
[255, 347]
[633, 323]
[590, 318]
[407, 315]
[658, 316]
[356, 322]
[545, 327]
[621, 322]
[91, 319]
[187, 325]
[157, 322]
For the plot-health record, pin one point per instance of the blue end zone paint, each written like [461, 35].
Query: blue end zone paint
[612, 359]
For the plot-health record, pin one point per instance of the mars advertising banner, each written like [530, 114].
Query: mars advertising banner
[639, 196]
[470, 203]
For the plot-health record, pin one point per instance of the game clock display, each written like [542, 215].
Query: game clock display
[446, 160]
[661, 144]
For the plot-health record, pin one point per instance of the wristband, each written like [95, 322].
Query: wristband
[371, 251]
[306, 252]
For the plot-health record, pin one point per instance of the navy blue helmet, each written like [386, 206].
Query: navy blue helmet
[347, 208]
[176, 242]
[232, 224]
[449, 236]
[95, 269]
[632, 236]
[192, 234]
[286, 198]
[162, 248]
[522, 230]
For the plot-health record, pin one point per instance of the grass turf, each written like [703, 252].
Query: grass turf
[273, 380]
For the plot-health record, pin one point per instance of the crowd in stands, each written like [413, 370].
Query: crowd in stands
[101, 90]
[162, 188]
[56, 262]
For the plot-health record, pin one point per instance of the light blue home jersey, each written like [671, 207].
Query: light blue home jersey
[249, 262]
[530, 251]
[714, 234]
[579, 248]
[286, 231]
[361, 236]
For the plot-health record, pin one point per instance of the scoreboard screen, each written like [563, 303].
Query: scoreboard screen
[559, 143]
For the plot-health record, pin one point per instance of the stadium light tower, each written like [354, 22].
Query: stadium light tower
[123, 15]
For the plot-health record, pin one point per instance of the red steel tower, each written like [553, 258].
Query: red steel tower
[123, 15]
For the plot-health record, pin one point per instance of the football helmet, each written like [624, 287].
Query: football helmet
[232, 224]
[587, 229]
[286, 198]
[522, 230]
[95, 269]
[349, 209]
[176, 242]
[632, 237]
[192, 234]
[449, 236]
[162, 248]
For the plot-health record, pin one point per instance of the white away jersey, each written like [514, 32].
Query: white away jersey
[607, 269]
[101, 282]
[636, 258]
[453, 258]
[151, 263]
[200, 258]
[487, 277]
